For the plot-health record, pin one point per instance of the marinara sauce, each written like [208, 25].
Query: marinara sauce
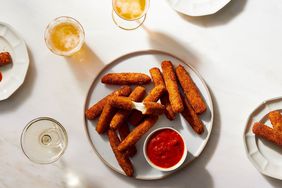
[165, 148]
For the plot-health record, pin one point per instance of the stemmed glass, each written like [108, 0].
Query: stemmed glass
[129, 14]
[44, 140]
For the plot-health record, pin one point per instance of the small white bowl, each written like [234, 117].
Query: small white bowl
[158, 167]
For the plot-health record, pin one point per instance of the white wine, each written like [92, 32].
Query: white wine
[44, 140]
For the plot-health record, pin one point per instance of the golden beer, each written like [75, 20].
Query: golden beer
[64, 36]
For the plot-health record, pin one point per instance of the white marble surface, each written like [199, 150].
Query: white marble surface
[237, 51]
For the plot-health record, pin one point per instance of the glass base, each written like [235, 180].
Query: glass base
[127, 24]
[44, 140]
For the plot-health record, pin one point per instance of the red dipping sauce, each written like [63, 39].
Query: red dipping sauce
[165, 148]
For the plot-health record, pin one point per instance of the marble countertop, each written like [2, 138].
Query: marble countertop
[237, 51]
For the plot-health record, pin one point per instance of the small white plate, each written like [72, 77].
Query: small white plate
[198, 7]
[13, 74]
[141, 62]
[265, 156]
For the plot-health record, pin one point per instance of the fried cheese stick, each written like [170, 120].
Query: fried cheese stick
[172, 87]
[136, 116]
[95, 110]
[126, 79]
[122, 159]
[135, 135]
[124, 103]
[5, 58]
[267, 133]
[190, 90]
[191, 117]
[147, 108]
[275, 118]
[155, 94]
[119, 118]
[105, 118]
[124, 131]
[153, 108]
[158, 80]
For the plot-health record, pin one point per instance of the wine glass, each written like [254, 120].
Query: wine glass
[129, 14]
[44, 140]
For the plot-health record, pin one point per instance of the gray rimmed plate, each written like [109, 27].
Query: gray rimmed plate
[264, 155]
[142, 61]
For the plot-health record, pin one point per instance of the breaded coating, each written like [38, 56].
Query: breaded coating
[135, 135]
[122, 159]
[126, 79]
[123, 131]
[157, 76]
[172, 87]
[275, 118]
[158, 80]
[267, 133]
[5, 58]
[105, 118]
[95, 110]
[153, 108]
[124, 103]
[155, 94]
[120, 117]
[191, 117]
[190, 90]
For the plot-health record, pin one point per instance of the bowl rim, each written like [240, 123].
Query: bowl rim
[174, 167]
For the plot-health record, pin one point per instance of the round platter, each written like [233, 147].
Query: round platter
[198, 7]
[264, 155]
[14, 73]
[142, 61]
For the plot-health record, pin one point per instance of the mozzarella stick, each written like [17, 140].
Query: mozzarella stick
[120, 117]
[155, 94]
[157, 76]
[122, 159]
[158, 80]
[121, 102]
[123, 131]
[126, 79]
[136, 116]
[105, 118]
[191, 117]
[153, 108]
[172, 87]
[5, 58]
[190, 90]
[135, 135]
[95, 110]
[275, 118]
[267, 133]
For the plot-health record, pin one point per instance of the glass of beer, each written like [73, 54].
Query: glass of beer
[129, 14]
[64, 36]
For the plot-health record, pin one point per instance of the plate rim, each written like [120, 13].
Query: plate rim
[9, 27]
[196, 14]
[131, 54]
[264, 102]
